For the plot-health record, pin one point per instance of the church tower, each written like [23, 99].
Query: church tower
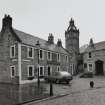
[72, 44]
[72, 37]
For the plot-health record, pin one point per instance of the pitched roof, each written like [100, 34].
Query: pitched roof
[97, 46]
[32, 40]
[83, 48]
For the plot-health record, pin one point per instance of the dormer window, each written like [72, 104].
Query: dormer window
[90, 55]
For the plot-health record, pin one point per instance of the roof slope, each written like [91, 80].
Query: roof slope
[83, 48]
[32, 40]
[97, 46]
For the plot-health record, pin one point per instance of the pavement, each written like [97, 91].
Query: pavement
[77, 93]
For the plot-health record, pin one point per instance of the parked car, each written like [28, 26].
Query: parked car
[86, 75]
[58, 77]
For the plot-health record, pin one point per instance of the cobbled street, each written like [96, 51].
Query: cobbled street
[77, 93]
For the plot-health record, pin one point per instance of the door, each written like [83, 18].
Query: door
[99, 67]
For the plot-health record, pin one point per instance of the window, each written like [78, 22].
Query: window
[41, 71]
[58, 57]
[90, 55]
[58, 68]
[90, 67]
[30, 52]
[12, 68]
[49, 71]
[30, 71]
[85, 65]
[66, 58]
[49, 56]
[41, 54]
[72, 69]
[12, 51]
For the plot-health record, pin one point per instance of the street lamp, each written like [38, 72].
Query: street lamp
[38, 79]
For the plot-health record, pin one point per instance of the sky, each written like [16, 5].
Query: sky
[41, 17]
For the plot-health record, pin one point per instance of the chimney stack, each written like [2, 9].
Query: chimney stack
[59, 43]
[50, 38]
[6, 22]
[91, 43]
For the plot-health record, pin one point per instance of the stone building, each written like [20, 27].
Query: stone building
[21, 54]
[94, 58]
[72, 45]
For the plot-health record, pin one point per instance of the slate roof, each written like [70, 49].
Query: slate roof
[97, 46]
[83, 48]
[32, 40]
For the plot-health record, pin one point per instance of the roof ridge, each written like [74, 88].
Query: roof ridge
[32, 40]
[99, 42]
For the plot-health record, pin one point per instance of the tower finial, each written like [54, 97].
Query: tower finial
[71, 22]
[91, 43]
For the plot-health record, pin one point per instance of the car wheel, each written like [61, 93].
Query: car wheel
[67, 82]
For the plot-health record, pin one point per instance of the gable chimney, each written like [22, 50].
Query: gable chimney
[50, 38]
[6, 22]
[91, 43]
[59, 43]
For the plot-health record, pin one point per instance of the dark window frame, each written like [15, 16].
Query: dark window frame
[90, 55]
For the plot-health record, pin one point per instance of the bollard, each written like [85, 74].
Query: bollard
[38, 82]
[51, 88]
[91, 84]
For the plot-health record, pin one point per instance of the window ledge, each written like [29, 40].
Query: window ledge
[30, 57]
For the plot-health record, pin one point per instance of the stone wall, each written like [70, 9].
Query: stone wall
[96, 55]
[6, 40]
[34, 61]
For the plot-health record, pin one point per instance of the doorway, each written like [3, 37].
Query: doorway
[99, 67]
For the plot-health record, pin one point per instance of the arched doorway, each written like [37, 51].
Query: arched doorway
[99, 67]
